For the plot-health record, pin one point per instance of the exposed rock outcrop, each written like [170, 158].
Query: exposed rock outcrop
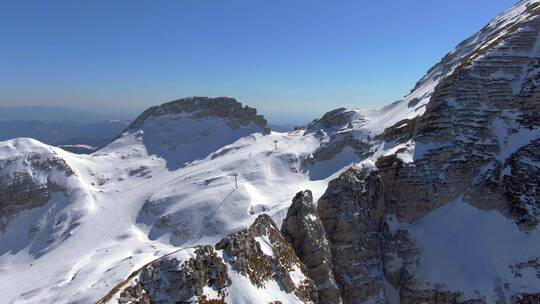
[244, 252]
[361, 253]
[200, 108]
[348, 211]
[336, 130]
[486, 99]
[169, 280]
[303, 229]
[25, 190]
[259, 253]
[20, 192]
[522, 185]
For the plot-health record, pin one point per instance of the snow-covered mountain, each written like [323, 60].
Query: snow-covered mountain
[75, 225]
[432, 199]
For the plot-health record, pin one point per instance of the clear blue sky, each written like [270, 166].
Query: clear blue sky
[291, 59]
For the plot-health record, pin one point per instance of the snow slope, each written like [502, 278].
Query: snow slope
[477, 252]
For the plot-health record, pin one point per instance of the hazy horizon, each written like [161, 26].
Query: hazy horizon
[292, 61]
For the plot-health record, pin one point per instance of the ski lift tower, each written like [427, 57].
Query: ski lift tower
[235, 175]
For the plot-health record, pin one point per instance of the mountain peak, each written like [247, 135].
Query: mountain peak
[199, 108]
[189, 129]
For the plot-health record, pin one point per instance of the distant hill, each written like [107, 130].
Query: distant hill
[60, 126]
[64, 133]
[55, 114]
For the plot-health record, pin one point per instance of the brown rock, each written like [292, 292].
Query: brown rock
[303, 229]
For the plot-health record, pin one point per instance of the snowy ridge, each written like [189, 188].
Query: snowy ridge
[374, 122]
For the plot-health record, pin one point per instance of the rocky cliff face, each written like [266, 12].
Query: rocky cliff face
[30, 179]
[339, 241]
[171, 280]
[201, 108]
[29, 189]
[348, 211]
[471, 136]
[304, 230]
[474, 121]
[262, 254]
[256, 258]
[521, 186]
[374, 258]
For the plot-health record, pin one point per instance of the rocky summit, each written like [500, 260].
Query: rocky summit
[432, 199]
[228, 109]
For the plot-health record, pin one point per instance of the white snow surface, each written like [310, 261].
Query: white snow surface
[266, 245]
[471, 250]
[242, 291]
